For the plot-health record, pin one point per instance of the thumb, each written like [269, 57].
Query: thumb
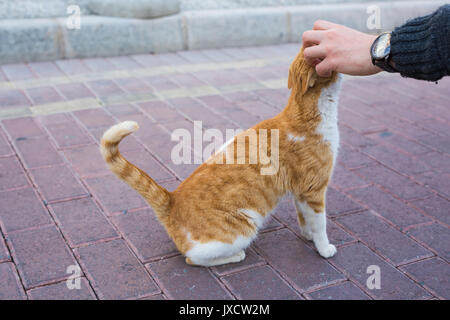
[324, 69]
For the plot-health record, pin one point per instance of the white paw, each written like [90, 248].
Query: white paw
[306, 233]
[327, 251]
[240, 255]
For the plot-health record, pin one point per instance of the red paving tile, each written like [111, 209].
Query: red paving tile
[394, 245]
[114, 195]
[434, 236]
[37, 152]
[355, 259]
[11, 288]
[13, 98]
[114, 272]
[388, 205]
[181, 281]
[436, 207]
[22, 209]
[44, 95]
[12, 175]
[303, 267]
[67, 134]
[146, 235]
[433, 274]
[4, 253]
[42, 255]
[343, 291]
[60, 291]
[260, 283]
[57, 183]
[81, 221]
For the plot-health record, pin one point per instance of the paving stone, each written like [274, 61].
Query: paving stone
[252, 259]
[44, 95]
[133, 85]
[21, 209]
[57, 183]
[346, 179]
[338, 203]
[354, 138]
[181, 281]
[437, 161]
[22, 127]
[436, 207]
[381, 237]
[186, 80]
[74, 91]
[41, 255]
[436, 181]
[104, 87]
[72, 66]
[5, 148]
[114, 272]
[81, 221]
[300, 265]
[98, 64]
[13, 98]
[161, 83]
[435, 236]
[343, 291]
[161, 111]
[68, 134]
[260, 283]
[351, 158]
[4, 253]
[94, 118]
[11, 288]
[389, 207]
[45, 69]
[393, 182]
[395, 160]
[11, 174]
[60, 291]
[440, 143]
[123, 62]
[87, 160]
[433, 274]
[146, 235]
[18, 71]
[54, 118]
[114, 194]
[37, 152]
[397, 141]
[154, 297]
[355, 260]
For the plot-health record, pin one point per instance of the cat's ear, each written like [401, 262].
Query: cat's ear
[301, 75]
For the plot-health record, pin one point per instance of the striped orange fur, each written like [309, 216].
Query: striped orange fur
[216, 212]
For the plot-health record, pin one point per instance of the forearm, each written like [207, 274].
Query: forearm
[420, 48]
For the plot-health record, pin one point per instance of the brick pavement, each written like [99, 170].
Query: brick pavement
[388, 204]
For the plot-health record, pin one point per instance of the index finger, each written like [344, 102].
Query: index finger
[324, 25]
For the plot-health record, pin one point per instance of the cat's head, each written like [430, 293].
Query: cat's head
[302, 76]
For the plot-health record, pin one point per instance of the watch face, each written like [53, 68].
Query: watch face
[382, 46]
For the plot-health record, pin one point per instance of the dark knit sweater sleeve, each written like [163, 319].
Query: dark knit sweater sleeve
[421, 47]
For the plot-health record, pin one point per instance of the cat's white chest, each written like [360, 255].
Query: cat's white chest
[328, 106]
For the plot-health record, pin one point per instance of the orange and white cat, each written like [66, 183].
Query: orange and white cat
[215, 214]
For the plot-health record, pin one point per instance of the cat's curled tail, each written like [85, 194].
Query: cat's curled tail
[158, 197]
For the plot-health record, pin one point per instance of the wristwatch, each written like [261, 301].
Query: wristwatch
[380, 51]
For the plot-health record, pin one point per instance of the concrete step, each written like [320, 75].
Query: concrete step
[26, 40]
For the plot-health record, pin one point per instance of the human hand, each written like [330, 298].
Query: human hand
[333, 47]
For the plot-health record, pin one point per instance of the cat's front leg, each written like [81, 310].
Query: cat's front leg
[315, 226]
